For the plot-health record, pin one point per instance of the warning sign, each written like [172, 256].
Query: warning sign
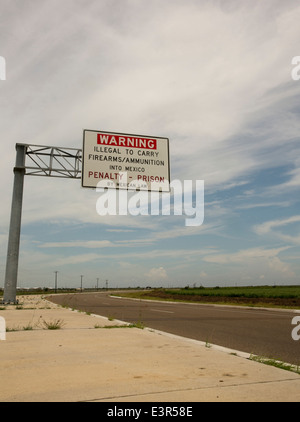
[124, 161]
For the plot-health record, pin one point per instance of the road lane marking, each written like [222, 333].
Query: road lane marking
[160, 310]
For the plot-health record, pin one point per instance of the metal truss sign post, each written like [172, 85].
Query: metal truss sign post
[42, 161]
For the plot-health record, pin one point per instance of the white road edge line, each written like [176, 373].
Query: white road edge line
[291, 310]
[160, 310]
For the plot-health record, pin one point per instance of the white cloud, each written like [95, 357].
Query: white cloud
[242, 255]
[157, 274]
[91, 244]
[213, 76]
[278, 266]
[203, 74]
[75, 259]
[269, 227]
[254, 256]
[292, 183]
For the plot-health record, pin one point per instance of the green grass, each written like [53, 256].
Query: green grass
[55, 324]
[243, 291]
[276, 363]
[257, 295]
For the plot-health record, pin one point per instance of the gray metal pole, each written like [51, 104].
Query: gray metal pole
[12, 260]
[55, 281]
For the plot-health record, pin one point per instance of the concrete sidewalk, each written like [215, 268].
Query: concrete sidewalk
[84, 361]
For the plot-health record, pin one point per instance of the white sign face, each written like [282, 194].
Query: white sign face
[124, 161]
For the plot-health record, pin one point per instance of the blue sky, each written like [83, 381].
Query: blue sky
[212, 76]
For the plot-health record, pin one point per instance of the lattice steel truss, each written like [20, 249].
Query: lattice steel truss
[53, 161]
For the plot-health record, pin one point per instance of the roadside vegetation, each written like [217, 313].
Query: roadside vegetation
[273, 296]
[276, 363]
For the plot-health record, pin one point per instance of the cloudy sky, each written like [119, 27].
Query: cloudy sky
[215, 77]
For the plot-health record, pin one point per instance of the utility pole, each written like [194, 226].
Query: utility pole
[56, 281]
[81, 282]
[97, 283]
[106, 284]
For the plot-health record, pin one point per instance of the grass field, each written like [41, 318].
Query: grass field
[280, 296]
[244, 291]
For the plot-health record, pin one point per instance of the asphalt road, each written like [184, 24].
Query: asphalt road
[261, 332]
